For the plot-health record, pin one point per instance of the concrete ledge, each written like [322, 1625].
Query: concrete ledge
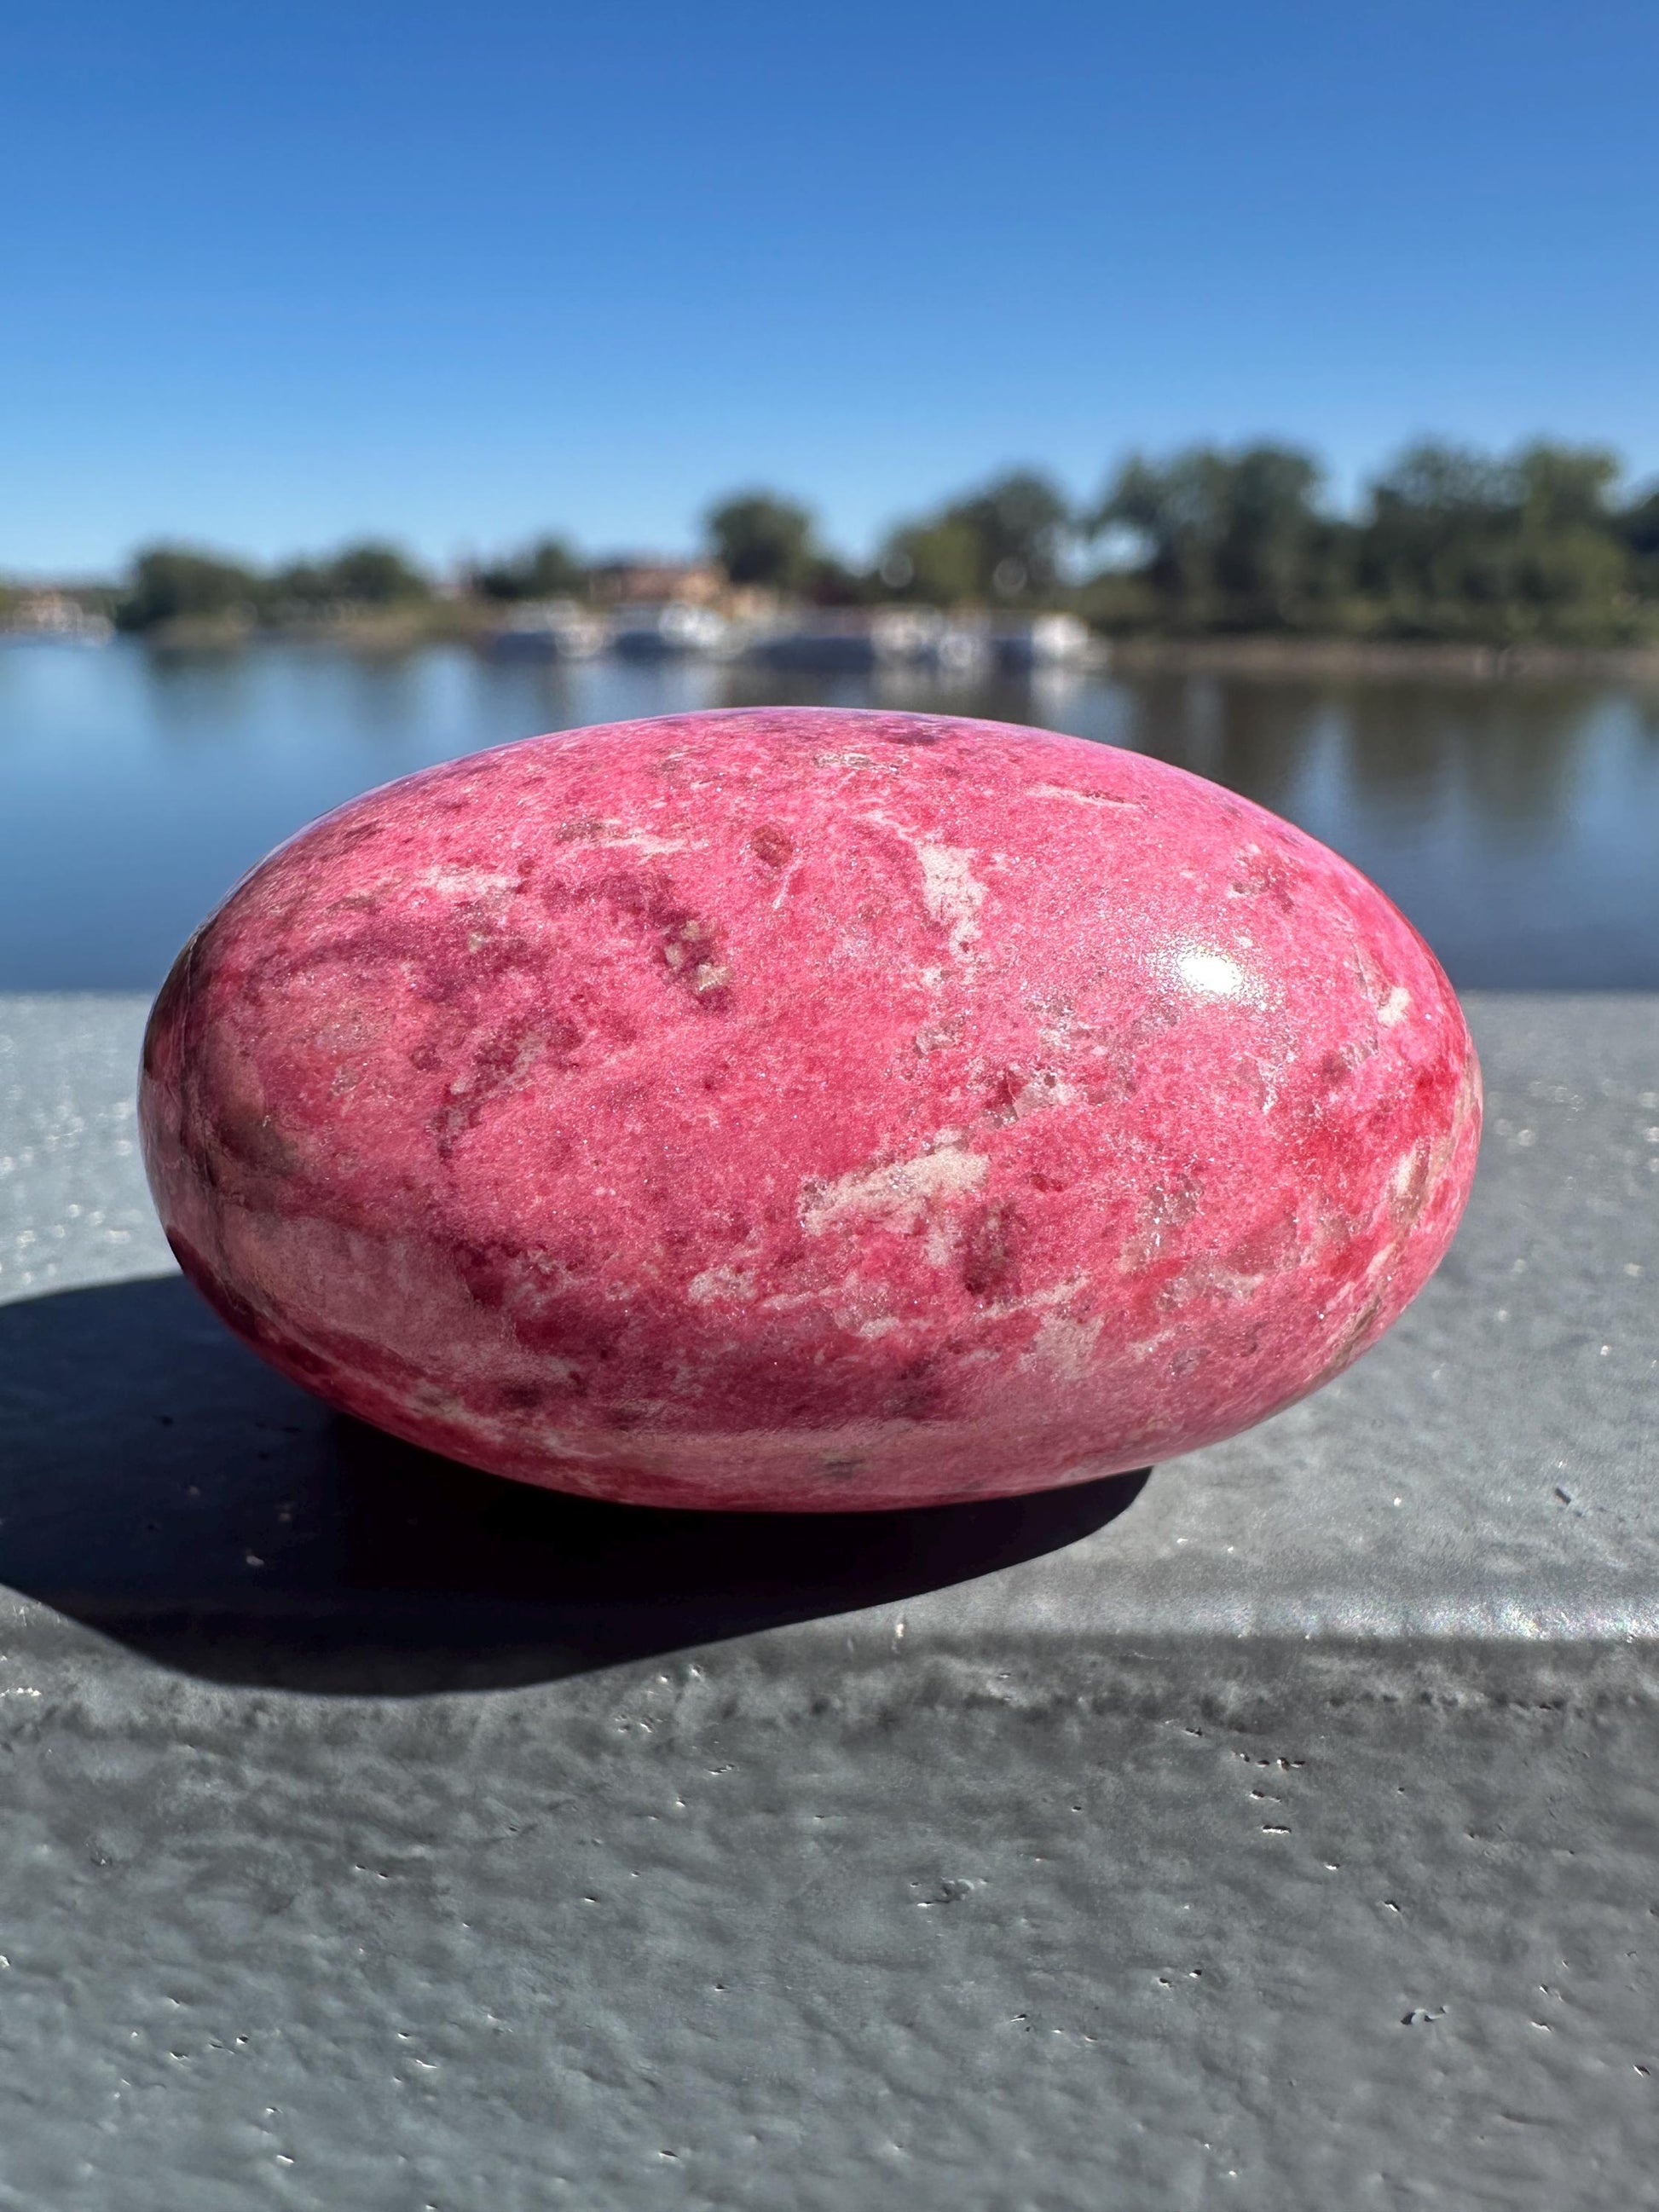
[379, 1835]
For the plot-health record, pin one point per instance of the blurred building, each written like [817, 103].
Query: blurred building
[641, 581]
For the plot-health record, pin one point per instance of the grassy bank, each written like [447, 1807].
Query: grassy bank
[388, 629]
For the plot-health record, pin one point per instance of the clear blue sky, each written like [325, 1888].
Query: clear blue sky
[274, 275]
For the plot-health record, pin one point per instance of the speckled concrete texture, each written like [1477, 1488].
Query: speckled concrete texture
[1244, 1837]
[1007, 1927]
[73, 1205]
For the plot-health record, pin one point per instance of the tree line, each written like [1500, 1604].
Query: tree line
[1446, 543]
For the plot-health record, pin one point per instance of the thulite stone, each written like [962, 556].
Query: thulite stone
[808, 1109]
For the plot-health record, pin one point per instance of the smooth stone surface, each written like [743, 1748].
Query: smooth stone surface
[808, 1109]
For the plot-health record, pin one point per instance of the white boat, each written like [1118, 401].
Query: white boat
[53, 617]
[547, 629]
[1034, 641]
[862, 639]
[831, 643]
[667, 629]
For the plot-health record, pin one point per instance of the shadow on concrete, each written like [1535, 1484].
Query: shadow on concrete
[160, 1484]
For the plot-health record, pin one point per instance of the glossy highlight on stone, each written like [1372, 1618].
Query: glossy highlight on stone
[808, 1109]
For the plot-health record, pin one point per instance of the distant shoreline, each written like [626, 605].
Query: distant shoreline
[1267, 656]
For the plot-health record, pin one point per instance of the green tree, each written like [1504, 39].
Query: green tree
[1460, 543]
[549, 569]
[760, 538]
[1433, 543]
[1566, 486]
[369, 574]
[170, 583]
[297, 585]
[1023, 524]
[1230, 539]
[1004, 544]
[374, 575]
[1572, 565]
[939, 563]
[1638, 528]
[830, 582]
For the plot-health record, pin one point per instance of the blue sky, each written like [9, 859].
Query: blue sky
[274, 276]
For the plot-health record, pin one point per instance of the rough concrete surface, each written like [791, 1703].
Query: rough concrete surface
[1245, 1837]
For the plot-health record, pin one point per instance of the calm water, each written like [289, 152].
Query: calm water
[1517, 825]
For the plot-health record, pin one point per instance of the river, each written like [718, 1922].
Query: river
[1517, 823]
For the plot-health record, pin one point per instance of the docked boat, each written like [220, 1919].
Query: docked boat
[668, 629]
[858, 641]
[547, 629]
[829, 644]
[53, 617]
[861, 640]
[1021, 645]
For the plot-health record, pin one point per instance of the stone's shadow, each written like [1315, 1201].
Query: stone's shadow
[161, 1485]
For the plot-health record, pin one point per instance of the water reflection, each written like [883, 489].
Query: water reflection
[1517, 823]
[1514, 758]
[1398, 756]
[197, 698]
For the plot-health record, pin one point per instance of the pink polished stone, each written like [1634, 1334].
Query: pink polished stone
[808, 1109]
